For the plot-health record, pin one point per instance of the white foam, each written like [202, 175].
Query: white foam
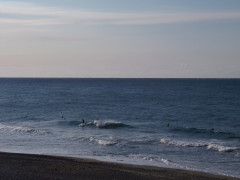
[183, 143]
[209, 146]
[221, 148]
[105, 123]
[160, 161]
[20, 129]
[175, 165]
[102, 142]
[147, 158]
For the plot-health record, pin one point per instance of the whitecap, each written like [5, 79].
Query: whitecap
[209, 146]
[20, 129]
[221, 148]
[108, 124]
[102, 142]
[183, 143]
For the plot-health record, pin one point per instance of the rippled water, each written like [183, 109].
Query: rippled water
[180, 123]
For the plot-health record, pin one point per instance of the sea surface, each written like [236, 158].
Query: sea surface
[191, 124]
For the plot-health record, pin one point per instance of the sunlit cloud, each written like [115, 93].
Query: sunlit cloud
[33, 15]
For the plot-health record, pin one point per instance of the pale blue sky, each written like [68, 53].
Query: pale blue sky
[127, 38]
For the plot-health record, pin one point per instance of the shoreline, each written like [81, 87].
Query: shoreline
[31, 166]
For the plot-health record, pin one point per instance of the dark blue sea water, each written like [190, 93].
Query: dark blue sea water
[179, 123]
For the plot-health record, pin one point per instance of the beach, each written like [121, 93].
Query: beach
[29, 166]
[140, 89]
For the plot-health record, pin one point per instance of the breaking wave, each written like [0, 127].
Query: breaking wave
[102, 142]
[182, 143]
[21, 129]
[220, 148]
[106, 124]
[208, 146]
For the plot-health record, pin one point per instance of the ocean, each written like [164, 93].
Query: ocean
[191, 124]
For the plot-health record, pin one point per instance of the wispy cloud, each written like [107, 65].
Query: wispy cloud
[33, 15]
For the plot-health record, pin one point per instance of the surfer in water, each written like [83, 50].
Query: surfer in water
[83, 123]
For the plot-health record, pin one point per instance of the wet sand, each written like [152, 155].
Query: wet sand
[26, 166]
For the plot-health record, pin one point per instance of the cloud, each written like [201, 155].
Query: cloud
[33, 15]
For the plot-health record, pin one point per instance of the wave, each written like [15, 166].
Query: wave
[106, 124]
[207, 145]
[69, 123]
[234, 138]
[101, 124]
[102, 142]
[94, 140]
[21, 129]
[195, 130]
[221, 148]
[159, 161]
[212, 132]
[175, 165]
[183, 143]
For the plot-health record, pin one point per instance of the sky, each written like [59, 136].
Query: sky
[120, 39]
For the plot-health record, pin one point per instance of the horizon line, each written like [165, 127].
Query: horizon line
[119, 78]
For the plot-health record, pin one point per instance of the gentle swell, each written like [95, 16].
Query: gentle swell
[212, 132]
[69, 123]
[208, 146]
[20, 129]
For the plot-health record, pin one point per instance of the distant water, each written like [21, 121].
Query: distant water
[178, 123]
